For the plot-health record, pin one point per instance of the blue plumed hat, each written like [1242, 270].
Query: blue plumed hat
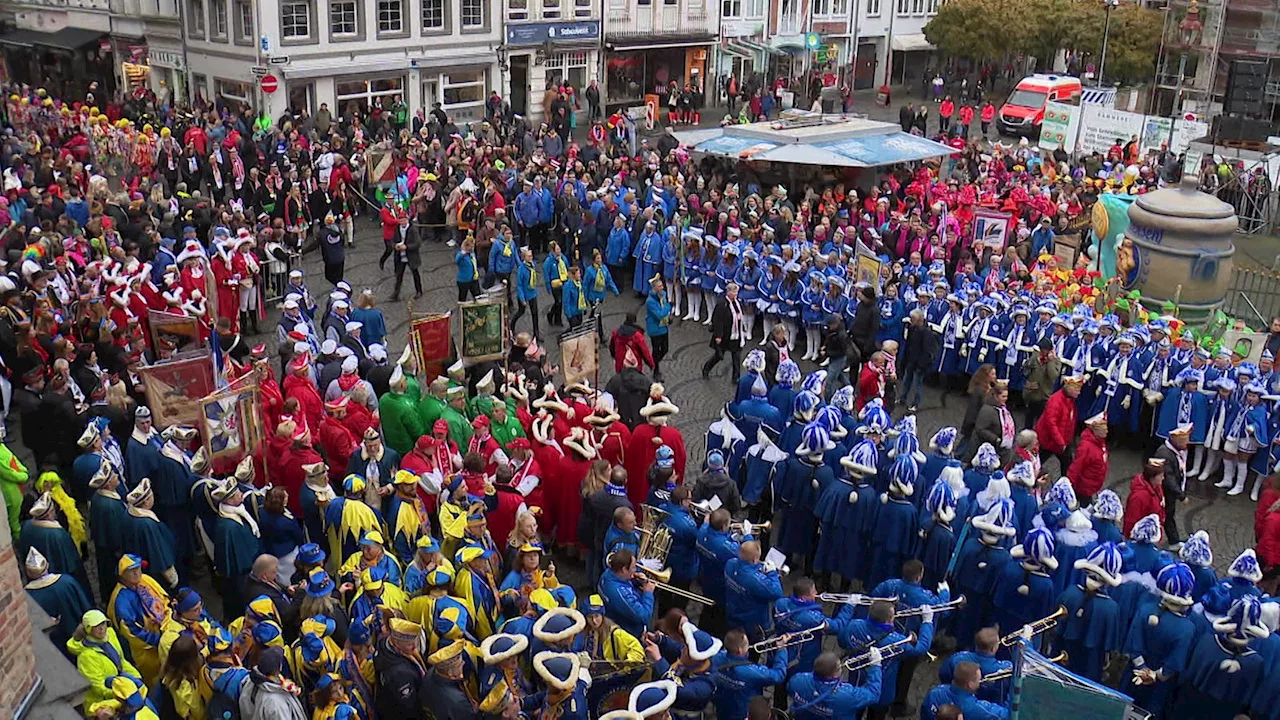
[843, 398]
[788, 372]
[986, 458]
[1107, 506]
[1038, 546]
[1175, 583]
[903, 474]
[814, 382]
[652, 699]
[941, 500]
[814, 440]
[1242, 622]
[1195, 550]
[1063, 493]
[1146, 530]
[754, 361]
[698, 644]
[998, 520]
[1104, 563]
[804, 405]
[1246, 566]
[944, 441]
[863, 460]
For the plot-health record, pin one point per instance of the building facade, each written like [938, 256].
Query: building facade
[651, 43]
[549, 43]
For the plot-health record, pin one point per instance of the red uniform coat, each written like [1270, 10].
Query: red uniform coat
[228, 290]
[1057, 425]
[870, 385]
[1088, 471]
[438, 459]
[565, 493]
[272, 400]
[1265, 501]
[1145, 498]
[502, 519]
[338, 443]
[580, 412]
[358, 419]
[485, 448]
[1269, 541]
[640, 452]
[308, 398]
[292, 476]
[534, 497]
[548, 456]
[612, 441]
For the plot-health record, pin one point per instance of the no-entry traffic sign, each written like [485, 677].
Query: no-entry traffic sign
[269, 84]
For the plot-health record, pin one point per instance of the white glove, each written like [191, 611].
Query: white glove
[1125, 402]
[746, 528]
[874, 654]
[854, 599]
[926, 614]
[853, 497]
[944, 587]
[964, 351]
[982, 355]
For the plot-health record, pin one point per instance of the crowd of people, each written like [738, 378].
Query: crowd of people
[396, 546]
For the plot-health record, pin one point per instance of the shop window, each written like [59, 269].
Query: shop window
[583, 8]
[473, 14]
[220, 19]
[362, 95]
[195, 17]
[390, 17]
[432, 15]
[517, 9]
[463, 94]
[568, 67]
[233, 90]
[550, 9]
[244, 21]
[295, 20]
[343, 18]
[873, 8]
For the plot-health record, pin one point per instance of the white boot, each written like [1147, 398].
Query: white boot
[809, 345]
[1242, 473]
[711, 308]
[1210, 464]
[791, 336]
[697, 307]
[1257, 487]
[1228, 474]
[1195, 464]
[690, 299]
[768, 329]
[750, 320]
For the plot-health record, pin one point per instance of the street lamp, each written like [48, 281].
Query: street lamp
[1106, 29]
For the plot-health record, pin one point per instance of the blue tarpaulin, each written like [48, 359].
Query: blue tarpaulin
[864, 144]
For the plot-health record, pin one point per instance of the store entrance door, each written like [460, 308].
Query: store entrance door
[520, 84]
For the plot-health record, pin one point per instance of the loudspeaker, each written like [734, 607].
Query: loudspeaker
[1246, 88]
[1228, 129]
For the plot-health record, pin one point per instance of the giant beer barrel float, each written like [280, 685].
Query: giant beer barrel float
[1178, 245]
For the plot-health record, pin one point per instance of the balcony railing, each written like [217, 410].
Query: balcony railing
[684, 19]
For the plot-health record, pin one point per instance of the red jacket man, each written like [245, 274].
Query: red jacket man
[300, 386]
[1146, 495]
[1057, 425]
[1088, 472]
[392, 218]
[645, 441]
[336, 439]
[870, 384]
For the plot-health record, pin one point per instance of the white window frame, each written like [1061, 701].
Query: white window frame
[218, 91]
[370, 95]
[933, 7]
[873, 8]
[754, 9]
[385, 9]
[221, 21]
[821, 8]
[463, 10]
[344, 8]
[840, 8]
[584, 8]
[917, 7]
[518, 13]
[550, 9]
[244, 20]
[443, 13]
[196, 10]
[731, 9]
[446, 85]
[903, 8]
[563, 62]
[285, 8]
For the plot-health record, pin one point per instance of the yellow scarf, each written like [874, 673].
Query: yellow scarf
[533, 276]
[582, 300]
[562, 271]
[599, 280]
[506, 249]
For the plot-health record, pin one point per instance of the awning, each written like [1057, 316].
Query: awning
[737, 49]
[912, 43]
[762, 47]
[65, 39]
[866, 144]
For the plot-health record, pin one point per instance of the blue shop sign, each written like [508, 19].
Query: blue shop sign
[541, 32]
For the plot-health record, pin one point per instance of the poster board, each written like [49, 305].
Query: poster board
[1255, 342]
[175, 388]
[173, 334]
[1101, 126]
[1061, 126]
[482, 330]
[868, 271]
[429, 337]
[991, 228]
[580, 354]
[230, 423]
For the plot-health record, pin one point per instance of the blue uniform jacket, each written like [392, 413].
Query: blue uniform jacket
[625, 604]
[989, 664]
[750, 592]
[683, 556]
[526, 287]
[501, 261]
[792, 614]
[574, 303]
[466, 263]
[715, 549]
[597, 282]
[738, 680]
[657, 314]
[819, 699]
[855, 636]
[970, 706]
[618, 247]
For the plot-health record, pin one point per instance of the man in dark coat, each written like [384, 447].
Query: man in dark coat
[262, 582]
[407, 256]
[400, 670]
[866, 323]
[728, 331]
[630, 388]
[597, 517]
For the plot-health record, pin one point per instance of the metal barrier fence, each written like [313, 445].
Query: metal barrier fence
[275, 274]
[1253, 296]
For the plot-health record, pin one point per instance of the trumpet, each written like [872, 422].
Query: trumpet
[1007, 673]
[1037, 627]
[862, 661]
[745, 527]
[854, 599]
[940, 607]
[661, 580]
[786, 640]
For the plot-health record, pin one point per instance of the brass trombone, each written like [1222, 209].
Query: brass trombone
[1006, 673]
[862, 661]
[854, 599]
[786, 640]
[940, 607]
[661, 580]
[1037, 627]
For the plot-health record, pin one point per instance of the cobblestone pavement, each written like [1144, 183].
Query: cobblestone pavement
[1228, 520]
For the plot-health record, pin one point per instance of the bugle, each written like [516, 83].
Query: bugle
[645, 574]
[739, 527]
[854, 599]
[786, 640]
[940, 607]
[1007, 673]
[1037, 627]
